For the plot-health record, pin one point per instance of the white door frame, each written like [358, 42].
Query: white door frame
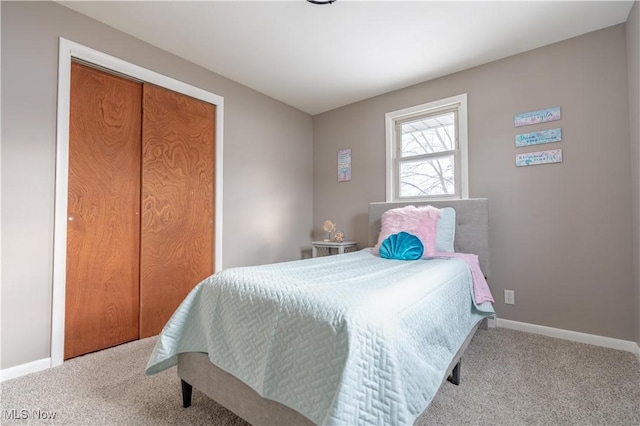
[69, 50]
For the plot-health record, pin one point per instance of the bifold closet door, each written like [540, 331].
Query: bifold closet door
[102, 283]
[177, 202]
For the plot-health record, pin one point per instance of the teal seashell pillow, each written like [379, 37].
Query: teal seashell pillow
[402, 246]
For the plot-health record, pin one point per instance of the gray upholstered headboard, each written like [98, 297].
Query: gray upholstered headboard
[472, 225]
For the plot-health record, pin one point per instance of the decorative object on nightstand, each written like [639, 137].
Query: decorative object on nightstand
[327, 248]
[339, 236]
[329, 226]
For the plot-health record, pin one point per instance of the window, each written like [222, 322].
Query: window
[427, 151]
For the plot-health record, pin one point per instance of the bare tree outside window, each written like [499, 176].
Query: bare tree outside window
[426, 159]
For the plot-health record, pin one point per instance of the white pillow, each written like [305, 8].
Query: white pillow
[446, 230]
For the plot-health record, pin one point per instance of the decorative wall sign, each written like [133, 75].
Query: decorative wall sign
[540, 157]
[344, 165]
[535, 138]
[535, 117]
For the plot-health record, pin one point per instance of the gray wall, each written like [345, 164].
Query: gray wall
[633, 63]
[560, 233]
[267, 164]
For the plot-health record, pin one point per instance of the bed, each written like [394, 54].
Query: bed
[358, 343]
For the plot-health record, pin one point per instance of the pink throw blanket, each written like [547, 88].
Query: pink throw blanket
[481, 292]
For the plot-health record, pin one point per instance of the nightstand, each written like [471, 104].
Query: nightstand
[327, 248]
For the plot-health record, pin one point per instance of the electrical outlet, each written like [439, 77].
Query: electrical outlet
[509, 297]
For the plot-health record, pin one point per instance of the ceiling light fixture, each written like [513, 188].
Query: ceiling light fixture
[321, 1]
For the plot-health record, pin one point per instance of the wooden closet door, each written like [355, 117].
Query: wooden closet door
[102, 286]
[177, 202]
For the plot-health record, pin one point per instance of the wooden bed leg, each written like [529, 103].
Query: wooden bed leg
[455, 374]
[187, 389]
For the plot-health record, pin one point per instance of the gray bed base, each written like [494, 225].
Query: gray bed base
[195, 369]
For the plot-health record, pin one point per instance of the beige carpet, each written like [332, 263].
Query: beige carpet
[508, 378]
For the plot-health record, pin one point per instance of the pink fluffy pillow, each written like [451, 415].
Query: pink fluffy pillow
[418, 221]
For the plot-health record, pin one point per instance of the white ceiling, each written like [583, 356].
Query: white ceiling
[319, 57]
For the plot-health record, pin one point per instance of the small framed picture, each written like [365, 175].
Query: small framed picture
[344, 165]
[540, 157]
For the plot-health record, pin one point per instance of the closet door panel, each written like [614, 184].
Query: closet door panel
[177, 202]
[102, 285]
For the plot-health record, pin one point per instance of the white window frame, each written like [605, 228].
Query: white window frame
[459, 102]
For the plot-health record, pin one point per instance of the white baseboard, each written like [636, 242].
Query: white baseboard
[591, 339]
[24, 369]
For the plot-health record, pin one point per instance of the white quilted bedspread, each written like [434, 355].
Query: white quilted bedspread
[349, 339]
